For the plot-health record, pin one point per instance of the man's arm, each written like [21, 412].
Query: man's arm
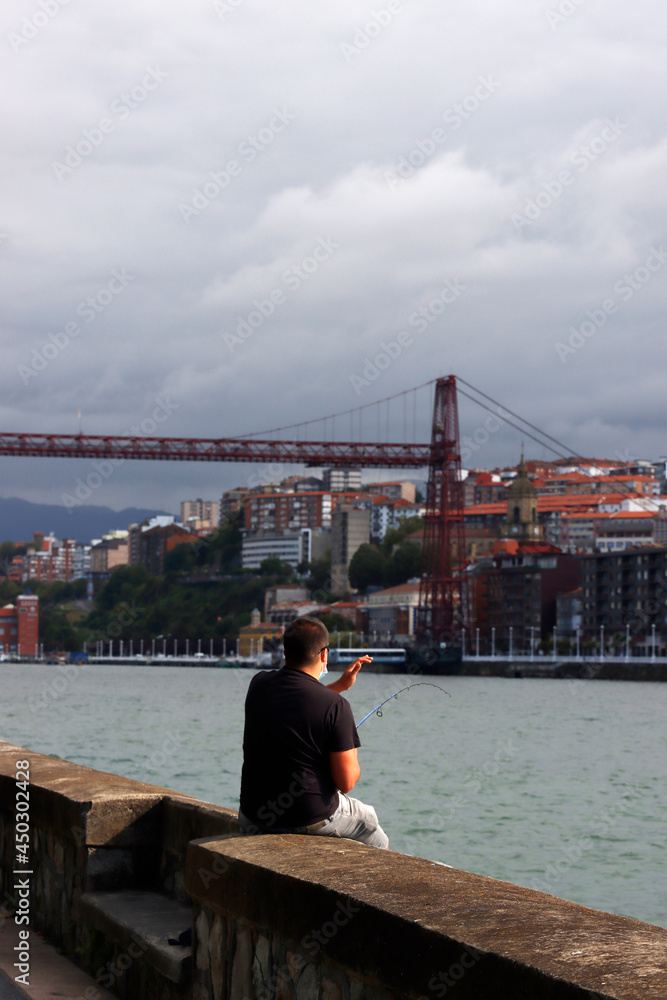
[349, 675]
[345, 769]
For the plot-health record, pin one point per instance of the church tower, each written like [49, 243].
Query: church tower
[521, 523]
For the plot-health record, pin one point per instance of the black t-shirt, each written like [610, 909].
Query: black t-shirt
[292, 724]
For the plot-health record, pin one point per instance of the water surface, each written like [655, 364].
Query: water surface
[554, 784]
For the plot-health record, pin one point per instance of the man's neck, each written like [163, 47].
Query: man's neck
[313, 669]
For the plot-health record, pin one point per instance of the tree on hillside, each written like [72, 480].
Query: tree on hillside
[404, 564]
[319, 574]
[367, 567]
[396, 536]
[181, 559]
[55, 630]
[222, 547]
[9, 591]
[275, 567]
[9, 549]
[124, 584]
[59, 591]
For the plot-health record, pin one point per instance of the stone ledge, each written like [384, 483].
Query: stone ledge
[410, 920]
[91, 807]
[183, 821]
[144, 920]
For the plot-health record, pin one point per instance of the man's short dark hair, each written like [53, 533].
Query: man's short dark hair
[303, 639]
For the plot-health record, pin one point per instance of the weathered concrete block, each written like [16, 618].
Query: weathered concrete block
[141, 923]
[109, 868]
[408, 926]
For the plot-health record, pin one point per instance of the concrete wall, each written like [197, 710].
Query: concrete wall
[635, 669]
[296, 917]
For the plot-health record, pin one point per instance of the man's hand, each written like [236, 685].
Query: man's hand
[349, 675]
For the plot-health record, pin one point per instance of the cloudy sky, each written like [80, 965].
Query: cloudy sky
[230, 208]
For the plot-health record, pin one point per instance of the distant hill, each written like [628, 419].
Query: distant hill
[20, 518]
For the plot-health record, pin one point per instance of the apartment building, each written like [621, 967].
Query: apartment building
[199, 515]
[54, 561]
[272, 512]
[19, 626]
[341, 480]
[625, 591]
[350, 529]
[156, 542]
[517, 589]
[402, 490]
[108, 553]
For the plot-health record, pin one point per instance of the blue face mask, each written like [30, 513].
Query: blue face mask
[325, 671]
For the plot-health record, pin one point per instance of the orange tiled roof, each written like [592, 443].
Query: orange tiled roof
[619, 514]
[557, 502]
[598, 515]
[403, 587]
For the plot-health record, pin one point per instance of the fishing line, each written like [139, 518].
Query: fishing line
[378, 709]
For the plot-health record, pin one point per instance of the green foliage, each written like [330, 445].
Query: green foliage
[393, 562]
[9, 549]
[275, 567]
[396, 536]
[334, 621]
[367, 567]
[319, 574]
[59, 591]
[181, 559]
[403, 564]
[9, 591]
[222, 548]
[57, 626]
[164, 607]
[125, 584]
[56, 631]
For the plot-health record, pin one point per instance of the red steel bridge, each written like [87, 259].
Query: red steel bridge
[312, 453]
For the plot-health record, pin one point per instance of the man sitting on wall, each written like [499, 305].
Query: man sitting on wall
[300, 747]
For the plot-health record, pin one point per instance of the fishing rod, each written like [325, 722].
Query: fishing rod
[378, 709]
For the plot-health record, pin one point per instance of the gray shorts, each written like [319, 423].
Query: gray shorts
[353, 820]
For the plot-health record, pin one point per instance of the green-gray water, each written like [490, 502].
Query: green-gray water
[558, 785]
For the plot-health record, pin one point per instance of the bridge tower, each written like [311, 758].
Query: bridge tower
[443, 600]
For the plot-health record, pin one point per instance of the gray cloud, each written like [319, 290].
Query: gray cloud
[467, 143]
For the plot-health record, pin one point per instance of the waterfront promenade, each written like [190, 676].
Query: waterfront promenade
[637, 668]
